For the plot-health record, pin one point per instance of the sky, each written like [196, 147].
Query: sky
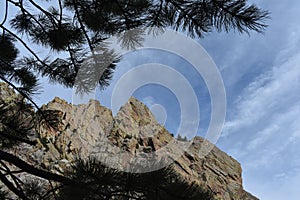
[261, 76]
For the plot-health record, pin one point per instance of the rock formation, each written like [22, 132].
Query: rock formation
[127, 141]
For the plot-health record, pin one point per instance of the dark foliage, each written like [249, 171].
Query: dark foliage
[100, 182]
[74, 28]
[13, 71]
[16, 123]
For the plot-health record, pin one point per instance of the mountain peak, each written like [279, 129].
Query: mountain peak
[90, 129]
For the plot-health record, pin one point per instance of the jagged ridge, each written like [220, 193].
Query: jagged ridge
[91, 130]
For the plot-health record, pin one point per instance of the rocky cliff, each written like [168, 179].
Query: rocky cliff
[129, 141]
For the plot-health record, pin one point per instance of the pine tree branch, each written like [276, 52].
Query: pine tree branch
[124, 14]
[32, 170]
[23, 43]
[11, 187]
[60, 11]
[6, 13]
[16, 180]
[26, 46]
[49, 15]
[203, 27]
[28, 98]
[28, 13]
[45, 32]
[16, 138]
[158, 13]
[72, 56]
[20, 91]
[32, 52]
[53, 190]
[249, 22]
[82, 26]
[13, 73]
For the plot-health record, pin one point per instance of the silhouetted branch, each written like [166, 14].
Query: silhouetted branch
[49, 15]
[16, 138]
[6, 13]
[16, 180]
[32, 170]
[82, 27]
[20, 91]
[11, 187]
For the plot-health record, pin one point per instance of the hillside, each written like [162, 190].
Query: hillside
[129, 141]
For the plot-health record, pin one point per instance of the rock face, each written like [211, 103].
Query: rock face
[131, 138]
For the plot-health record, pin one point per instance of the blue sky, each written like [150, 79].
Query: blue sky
[262, 78]
[261, 74]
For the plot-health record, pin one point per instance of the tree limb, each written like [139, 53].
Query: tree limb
[6, 13]
[11, 187]
[32, 170]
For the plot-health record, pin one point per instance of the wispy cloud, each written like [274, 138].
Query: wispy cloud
[272, 93]
[264, 126]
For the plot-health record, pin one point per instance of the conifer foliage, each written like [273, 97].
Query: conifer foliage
[72, 29]
[101, 182]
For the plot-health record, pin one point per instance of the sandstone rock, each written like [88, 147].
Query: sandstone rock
[133, 136]
[135, 130]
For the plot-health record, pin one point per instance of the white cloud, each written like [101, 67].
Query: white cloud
[271, 93]
[265, 128]
[264, 135]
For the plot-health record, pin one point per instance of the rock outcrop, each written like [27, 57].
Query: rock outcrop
[129, 141]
